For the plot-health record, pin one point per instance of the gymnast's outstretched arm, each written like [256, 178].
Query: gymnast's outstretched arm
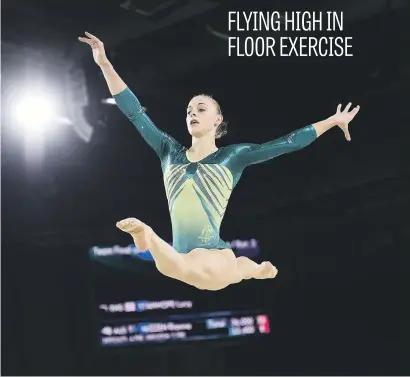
[127, 101]
[249, 154]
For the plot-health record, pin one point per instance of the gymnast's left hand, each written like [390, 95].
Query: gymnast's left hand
[343, 118]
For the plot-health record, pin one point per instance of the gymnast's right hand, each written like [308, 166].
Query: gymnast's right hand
[97, 47]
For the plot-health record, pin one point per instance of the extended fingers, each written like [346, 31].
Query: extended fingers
[347, 107]
[89, 35]
[92, 40]
[346, 110]
[355, 110]
[347, 134]
[86, 40]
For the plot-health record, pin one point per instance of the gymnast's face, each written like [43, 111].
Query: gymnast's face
[202, 116]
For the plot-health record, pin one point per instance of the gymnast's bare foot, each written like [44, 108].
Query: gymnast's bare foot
[266, 270]
[140, 232]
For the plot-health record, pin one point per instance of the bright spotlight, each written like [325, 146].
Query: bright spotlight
[34, 112]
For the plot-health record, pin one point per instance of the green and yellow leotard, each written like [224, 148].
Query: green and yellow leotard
[198, 193]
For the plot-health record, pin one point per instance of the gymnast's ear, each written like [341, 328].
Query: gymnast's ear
[219, 120]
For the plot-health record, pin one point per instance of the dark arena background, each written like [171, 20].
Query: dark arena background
[79, 299]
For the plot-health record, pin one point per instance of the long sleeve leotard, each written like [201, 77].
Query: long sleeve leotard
[198, 192]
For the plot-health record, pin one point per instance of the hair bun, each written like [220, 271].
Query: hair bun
[221, 130]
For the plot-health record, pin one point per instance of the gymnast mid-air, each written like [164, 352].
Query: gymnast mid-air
[198, 183]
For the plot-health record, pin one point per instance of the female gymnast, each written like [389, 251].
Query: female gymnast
[198, 183]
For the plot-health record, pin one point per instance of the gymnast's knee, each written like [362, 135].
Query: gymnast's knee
[241, 259]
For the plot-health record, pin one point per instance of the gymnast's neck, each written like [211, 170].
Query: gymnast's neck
[203, 145]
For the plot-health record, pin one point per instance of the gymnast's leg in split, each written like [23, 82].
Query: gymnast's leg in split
[201, 268]
[167, 260]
